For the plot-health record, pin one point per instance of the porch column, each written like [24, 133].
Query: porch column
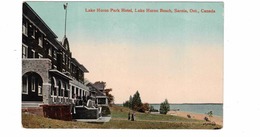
[46, 95]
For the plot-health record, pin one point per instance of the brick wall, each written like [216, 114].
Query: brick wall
[40, 66]
[59, 111]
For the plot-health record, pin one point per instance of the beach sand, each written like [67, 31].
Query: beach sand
[217, 119]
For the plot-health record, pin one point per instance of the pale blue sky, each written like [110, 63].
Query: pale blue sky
[137, 28]
[178, 56]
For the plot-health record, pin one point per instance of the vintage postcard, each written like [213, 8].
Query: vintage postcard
[123, 65]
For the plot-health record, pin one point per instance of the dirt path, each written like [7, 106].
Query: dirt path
[122, 119]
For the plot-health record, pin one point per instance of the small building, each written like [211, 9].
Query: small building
[99, 95]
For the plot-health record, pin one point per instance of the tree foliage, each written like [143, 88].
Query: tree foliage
[126, 104]
[130, 102]
[137, 102]
[151, 109]
[164, 107]
[109, 95]
[145, 107]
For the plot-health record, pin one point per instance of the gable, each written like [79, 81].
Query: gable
[65, 43]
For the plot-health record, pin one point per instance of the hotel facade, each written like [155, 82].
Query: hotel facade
[50, 74]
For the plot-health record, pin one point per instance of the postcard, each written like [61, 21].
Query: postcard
[123, 65]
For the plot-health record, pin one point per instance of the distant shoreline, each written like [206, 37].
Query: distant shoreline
[200, 108]
[189, 103]
[183, 104]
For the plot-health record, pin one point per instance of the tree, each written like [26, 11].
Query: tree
[126, 104]
[137, 102]
[145, 107]
[151, 109]
[130, 102]
[110, 97]
[164, 107]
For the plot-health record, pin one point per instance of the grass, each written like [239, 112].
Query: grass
[119, 121]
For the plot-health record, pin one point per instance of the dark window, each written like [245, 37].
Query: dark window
[33, 84]
[55, 54]
[50, 51]
[25, 28]
[33, 53]
[40, 41]
[39, 89]
[33, 32]
[25, 85]
[24, 51]
[63, 57]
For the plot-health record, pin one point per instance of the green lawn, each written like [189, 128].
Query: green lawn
[119, 120]
[122, 113]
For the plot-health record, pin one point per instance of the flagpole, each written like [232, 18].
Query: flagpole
[65, 6]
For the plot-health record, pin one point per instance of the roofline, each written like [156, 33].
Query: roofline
[93, 86]
[83, 68]
[30, 8]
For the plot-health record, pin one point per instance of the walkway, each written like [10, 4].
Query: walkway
[29, 104]
[99, 120]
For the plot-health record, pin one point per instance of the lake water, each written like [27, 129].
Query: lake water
[217, 109]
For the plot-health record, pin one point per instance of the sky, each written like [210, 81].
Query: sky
[178, 56]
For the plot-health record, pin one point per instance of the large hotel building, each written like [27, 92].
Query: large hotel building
[50, 74]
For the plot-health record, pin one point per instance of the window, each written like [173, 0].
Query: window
[61, 92]
[55, 54]
[25, 28]
[73, 69]
[72, 90]
[66, 94]
[40, 41]
[33, 84]
[33, 32]
[55, 91]
[66, 46]
[63, 57]
[25, 85]
[39, 55]
[80, 92]
[33, 53]
[24, 51]
[77, 91]
[69, 63]
[39, 90]
[66, 61]
[50, 51]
